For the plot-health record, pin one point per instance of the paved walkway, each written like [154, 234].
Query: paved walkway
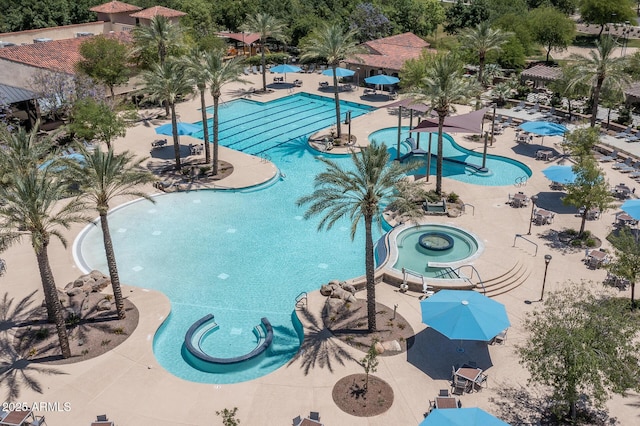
[133, 389]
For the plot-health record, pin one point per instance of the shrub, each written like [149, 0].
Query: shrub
[453, 197]
[42, 333]
[118, 330]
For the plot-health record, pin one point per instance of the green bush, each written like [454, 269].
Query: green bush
[453, 197]
[590, 242]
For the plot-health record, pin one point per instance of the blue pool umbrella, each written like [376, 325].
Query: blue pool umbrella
[183, 129]
[75, 156]
[461, 417]
[340, 72]
[560, 174]
[285, 68]
[632, 208]
[464, 315]
[543, 128]
[382, 80]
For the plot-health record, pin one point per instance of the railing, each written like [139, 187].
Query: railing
[458, 272]
[472, 207]
[526, 239]
[447, 273]
[301, 299]
[521, 181]
[406, 272]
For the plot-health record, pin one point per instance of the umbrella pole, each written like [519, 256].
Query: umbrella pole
[429, 157]
[411, 118]
[399, 131]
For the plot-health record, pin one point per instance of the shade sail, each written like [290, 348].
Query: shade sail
[560, 174]
[409, 103]
[464, 123]
[183, 129]
[340, 72]
[464, 315]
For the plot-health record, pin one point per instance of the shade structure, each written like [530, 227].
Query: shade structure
[285, 68]
[632, 208]
[410, 104]
[382, 80]
[543, 128]
[340, 72]
[75, 156]
[183, 129]
[464, 315]
[461, 417]
[463, 123]
[560, 174]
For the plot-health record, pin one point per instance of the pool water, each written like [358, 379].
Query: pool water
[502, 170]
[414, 257]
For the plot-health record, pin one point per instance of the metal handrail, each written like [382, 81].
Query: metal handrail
[526, 239]
[468, 279]
[521, 181]
[300, 297]
[470, 205]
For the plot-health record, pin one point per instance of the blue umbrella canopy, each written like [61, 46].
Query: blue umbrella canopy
[382, 79]
[340, 72]
[461, 417]
[560, 174]
[632, 208]
[543, 128]
[464, 315]
[285, 68]
[183, 129]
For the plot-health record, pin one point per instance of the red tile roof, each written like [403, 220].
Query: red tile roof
[56, 55]
[157, 10]
[115, 7]
[392, 52]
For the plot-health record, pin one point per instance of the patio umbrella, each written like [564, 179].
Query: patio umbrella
[183, 129]
[632, 208]
[340, 72]
[382, 80]
[462, 417]
[543, 128]
[464, 315]
[560, 174]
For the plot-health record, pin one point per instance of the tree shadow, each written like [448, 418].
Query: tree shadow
[21, 312]
[319, 347]
[552, 240]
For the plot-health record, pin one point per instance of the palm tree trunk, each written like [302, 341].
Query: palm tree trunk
[111, 263]
[369, 271]
[54, 308]
[633, 293]
[176, 140]
[596, 99]
[264, 66]
[441, 117]
[216, 99]
[205, 128]
[480, 68]
[337, 99]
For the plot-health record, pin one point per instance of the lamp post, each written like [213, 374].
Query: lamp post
[547, 260]
[534, 198]
[348, 122]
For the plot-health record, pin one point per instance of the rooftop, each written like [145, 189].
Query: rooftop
[115, 7]
[391, 52]
[11, 95]
[542, 72]
[157, 10]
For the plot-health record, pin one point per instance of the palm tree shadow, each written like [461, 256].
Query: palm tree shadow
[319, 347]
[21, 312]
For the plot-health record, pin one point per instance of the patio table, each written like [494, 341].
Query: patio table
[519, 200]
[308, 422]
[469, 373]
[543, 217]
[624, 219]
[17, 418]
[543, 154]
[446, 402]
[103, 423]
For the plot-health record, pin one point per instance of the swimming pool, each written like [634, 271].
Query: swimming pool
[502, 170]
[240, 255]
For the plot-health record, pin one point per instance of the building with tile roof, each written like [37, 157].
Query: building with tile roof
[388, 55]
[146, 15]
[116, 13]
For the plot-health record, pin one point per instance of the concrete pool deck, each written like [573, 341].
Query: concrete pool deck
[129, 385]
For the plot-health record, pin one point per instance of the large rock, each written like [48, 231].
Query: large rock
[325, 290]
[392, 346]
[103, 305]
[96, 275]
[379, 347]
[100, 284]
[348, 287]
[74, 291]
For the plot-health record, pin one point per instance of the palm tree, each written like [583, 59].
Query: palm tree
[104, 176]
[482, 39]
[567, 87]
[199, 75]
[358, 194]
[268, 27]
[600, 66]
[218, 73]
[167, 82]
[443, 86]
[31, 207]
[331, 43]
[23, 151]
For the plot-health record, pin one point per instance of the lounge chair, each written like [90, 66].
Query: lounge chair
[520, 106]
[297, 421]
[312, 69]
[624, 133]
[158, 143]
[500, 337]
[39, 421]
[393, 95]
[509, 122]
[534, 109]
[297, 83]
[314, 415]
[634, 137]
[610, 157]
[254, 69]
[619, 166]
[246, 71]
[324, 84]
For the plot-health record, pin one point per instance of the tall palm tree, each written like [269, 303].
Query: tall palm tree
[331, 43]
[443, 86]
[31, 207]
[483, 39]
[268, 27]
[105, 176]
[600, 66]
[199, 75]
[567, 88]
[23, 151]
[359, 193]
[218, 73]
[167, 82]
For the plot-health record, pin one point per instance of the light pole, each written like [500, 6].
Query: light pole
[534, 198]
[547, 260]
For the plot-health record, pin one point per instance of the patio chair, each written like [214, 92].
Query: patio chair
[500, 337]
[444, 392]
[633, 137]
[39, 421]
[624, 133]
[534, 109]
[254, 69]
[610, 157]
[460, 386]
[314, 415]
[520, 106]
[297, 421]
[3, 414]
[102, 418]
[509, 122]
[480, 383]
[312, 69]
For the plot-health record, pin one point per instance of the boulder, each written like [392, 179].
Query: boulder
[392, 346]
[338, 293]
[73, 292]
[348, 287]
[379, 347]
[325, 290]
[103, 305]
[96, 275]
[100, 284]
[334, 282]
[79, 282]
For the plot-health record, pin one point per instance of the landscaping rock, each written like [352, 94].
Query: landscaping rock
[103, 305]
[392, 346]
[75, 291]
[379, 347]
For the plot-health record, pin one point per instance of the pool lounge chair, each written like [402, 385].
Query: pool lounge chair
[520, 106]
[624, 133]
[610, 157]
[246, 71]
[634, 137]
[254, 69]
[534, 109]
[619, 166]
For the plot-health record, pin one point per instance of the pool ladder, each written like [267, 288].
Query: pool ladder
[301, 300]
